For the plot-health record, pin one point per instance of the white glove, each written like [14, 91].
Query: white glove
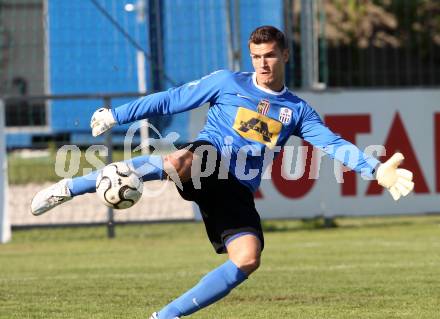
[102, 120]
[398, 181]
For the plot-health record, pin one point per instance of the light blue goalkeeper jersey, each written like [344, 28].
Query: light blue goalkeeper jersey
[245, 118]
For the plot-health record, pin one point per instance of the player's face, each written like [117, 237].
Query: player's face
[269, 62]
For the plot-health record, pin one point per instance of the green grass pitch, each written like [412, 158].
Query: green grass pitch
[366, 268]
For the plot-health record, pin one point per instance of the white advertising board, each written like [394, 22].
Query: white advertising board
[5, 226]
[400, 120]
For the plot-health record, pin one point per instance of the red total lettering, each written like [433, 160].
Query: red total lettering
[348, 126]
[398, 141]
[293, 188]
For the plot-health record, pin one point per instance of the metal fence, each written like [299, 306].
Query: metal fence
[355, 43]
[30, 170]
[360, 43]
[50, 50]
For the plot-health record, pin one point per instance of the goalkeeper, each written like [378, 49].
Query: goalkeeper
[254, 112]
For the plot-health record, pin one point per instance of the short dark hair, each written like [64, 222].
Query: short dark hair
[268, 33]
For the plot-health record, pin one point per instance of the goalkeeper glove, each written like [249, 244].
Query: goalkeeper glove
[398, 181]
[102, 120]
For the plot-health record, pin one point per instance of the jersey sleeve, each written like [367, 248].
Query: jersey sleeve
[174, 100]
[311, 128]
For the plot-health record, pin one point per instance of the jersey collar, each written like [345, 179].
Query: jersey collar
[269, 91]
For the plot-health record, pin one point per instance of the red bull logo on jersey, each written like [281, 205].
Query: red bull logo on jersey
[263, 107]
[285, 115]
[257, 127]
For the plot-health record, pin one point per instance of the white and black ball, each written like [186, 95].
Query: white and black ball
[118, 186]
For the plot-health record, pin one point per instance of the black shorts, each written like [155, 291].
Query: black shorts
[226, 205]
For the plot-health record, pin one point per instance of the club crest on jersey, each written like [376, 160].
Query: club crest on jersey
[285, 115]
[263, 107]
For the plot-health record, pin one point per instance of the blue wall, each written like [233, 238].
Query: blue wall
[194, 38]
[194, 44]
[255, 13]
[87, 54]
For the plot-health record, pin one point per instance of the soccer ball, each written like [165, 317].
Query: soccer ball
[118, 186]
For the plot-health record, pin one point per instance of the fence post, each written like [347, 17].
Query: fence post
[109, 145]
[308, 61]
[289, 18]
[5, 226]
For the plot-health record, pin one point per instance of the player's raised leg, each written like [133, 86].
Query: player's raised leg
[244, 250]
[149, 167]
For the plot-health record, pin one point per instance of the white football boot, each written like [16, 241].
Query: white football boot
[154, 316]
[50, 197]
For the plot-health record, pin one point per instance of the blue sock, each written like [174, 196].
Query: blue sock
[83, 184]
[214, 286]
[148, 167]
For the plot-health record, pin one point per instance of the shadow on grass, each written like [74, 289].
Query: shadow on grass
[176, 229]
[299, 225]
[320, 223]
